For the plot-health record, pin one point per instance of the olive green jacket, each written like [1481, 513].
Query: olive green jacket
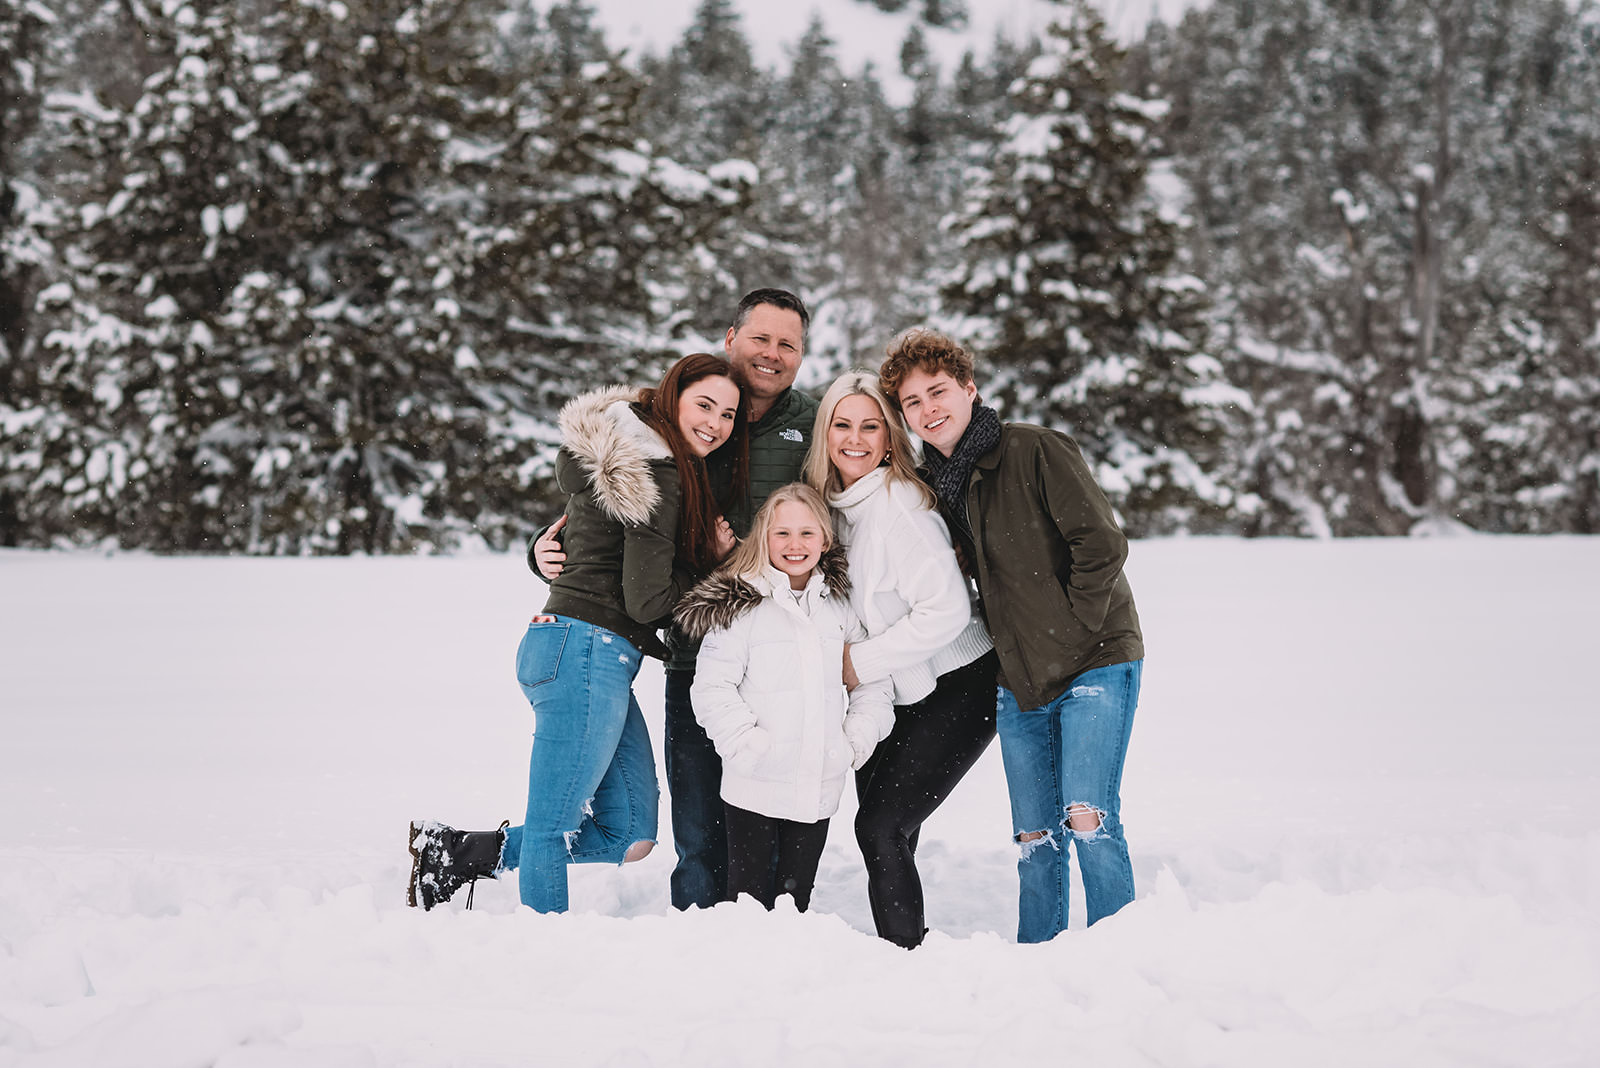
[622, 510]
[1049, 557]
[778, 445]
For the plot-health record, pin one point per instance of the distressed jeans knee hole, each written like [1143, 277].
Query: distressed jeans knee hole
[1032, 840]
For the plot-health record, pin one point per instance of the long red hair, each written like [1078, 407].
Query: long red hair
[658, 407]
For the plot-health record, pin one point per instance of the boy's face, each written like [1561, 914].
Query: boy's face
[937, 407]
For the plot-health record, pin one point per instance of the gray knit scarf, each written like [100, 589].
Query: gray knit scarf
[948, 475]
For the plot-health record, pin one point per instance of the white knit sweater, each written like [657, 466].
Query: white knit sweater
[905, 587]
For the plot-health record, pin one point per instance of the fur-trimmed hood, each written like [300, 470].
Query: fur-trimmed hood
[613, 447]
[723, 597]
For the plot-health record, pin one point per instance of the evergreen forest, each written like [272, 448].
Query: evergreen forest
[315, 276]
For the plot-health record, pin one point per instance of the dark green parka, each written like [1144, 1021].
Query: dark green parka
[778, 445]
[621, 537]
[1049, 564]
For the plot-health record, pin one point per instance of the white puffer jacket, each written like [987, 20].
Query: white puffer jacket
[905, 587]
[768, 690]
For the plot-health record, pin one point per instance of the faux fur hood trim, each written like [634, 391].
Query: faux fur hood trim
[614, 448]
[723, 597]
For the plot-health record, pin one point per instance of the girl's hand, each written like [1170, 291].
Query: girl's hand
[726, 539]
[849, 670]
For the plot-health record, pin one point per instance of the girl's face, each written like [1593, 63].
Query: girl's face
[858, 437]
[706, 412]
[937, 407]
[795, 541]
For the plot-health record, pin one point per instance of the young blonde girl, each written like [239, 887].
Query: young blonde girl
[769, 691]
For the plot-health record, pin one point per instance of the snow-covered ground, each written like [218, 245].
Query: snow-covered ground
[1362, 798]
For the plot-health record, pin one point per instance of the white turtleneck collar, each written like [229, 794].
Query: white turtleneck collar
[848, 498]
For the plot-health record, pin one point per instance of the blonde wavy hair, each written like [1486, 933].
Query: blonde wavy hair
[819, 471]
[749, 558]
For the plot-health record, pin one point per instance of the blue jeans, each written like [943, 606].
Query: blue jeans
[694, 781]
[591, 779]
[1064, 756]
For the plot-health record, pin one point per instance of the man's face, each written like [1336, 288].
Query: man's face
[937, 407]
[766, 350]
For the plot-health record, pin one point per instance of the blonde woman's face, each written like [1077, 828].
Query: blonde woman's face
[858, 437]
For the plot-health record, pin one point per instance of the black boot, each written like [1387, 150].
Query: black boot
[443, 858]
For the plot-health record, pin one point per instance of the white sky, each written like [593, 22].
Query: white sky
[860, 31]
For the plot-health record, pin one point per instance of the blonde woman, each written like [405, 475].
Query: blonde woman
[923, 635]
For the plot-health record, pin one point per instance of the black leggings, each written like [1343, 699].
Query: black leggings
[934, 743]
[768, 856]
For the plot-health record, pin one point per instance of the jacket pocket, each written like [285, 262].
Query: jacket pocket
[539, 655]
[1053, 635]
[778, 763]
[837, 755]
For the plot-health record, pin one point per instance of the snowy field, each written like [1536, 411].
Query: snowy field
[1361, 795]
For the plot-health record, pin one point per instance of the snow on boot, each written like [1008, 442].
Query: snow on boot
[443, 858]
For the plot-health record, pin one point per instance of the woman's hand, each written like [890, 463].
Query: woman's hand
[849, 670]
[548, 553]
[726, 539]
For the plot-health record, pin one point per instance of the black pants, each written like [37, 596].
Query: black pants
[934, 743]
[768, 857]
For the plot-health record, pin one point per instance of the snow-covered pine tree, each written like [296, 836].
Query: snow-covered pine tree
[339, 270]
[707, 105]
[1069, 285]
[951, 14]
[1365, 178]
[839, 202]
[981, 92]
[24, 25]
[582, 255]
[705, 98]
[253, 310]
[1536, 466]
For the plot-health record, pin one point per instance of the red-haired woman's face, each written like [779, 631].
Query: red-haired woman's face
[706, 412]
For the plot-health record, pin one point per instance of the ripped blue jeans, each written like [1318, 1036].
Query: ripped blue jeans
[591, 779]
[1066, 757]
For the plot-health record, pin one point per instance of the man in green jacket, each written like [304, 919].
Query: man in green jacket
[765, 344]
[1047, 553]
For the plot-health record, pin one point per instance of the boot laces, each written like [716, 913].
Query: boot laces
[472, 883]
